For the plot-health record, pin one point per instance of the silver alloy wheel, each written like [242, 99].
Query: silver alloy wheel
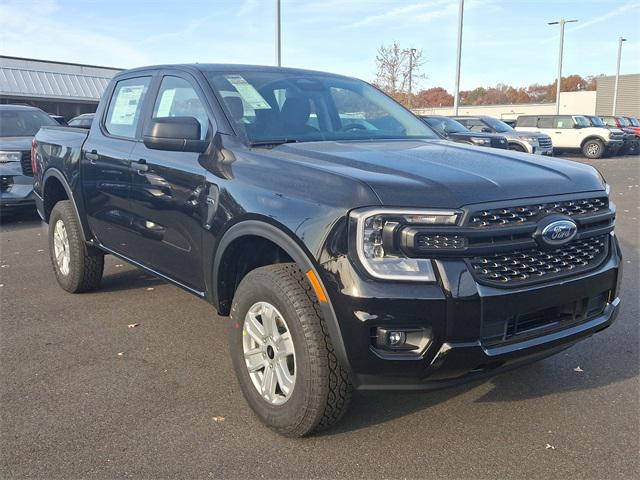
[593, 149]
[269, 353]
[61, 247]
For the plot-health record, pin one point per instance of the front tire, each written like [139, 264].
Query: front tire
[75, 268]
[517, 148]
[282, 354]
[593, 149]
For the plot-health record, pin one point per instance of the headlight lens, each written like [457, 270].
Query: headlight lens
[6, 157]
[480, 141]
[531, 140]
[376, 246]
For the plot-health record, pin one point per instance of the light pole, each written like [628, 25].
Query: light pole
[278, 35]
[615, 88]
[456, 94]
[411, 52]
[561, 22]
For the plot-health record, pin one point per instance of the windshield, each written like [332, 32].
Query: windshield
[276, 107]
[498, 125]
[23, 123]
[445, 125]
[582, 122]
[634, 121]
[623, 121]
[597, 122]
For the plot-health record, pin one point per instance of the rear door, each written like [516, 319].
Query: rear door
[105, 165]
[168, 196]
[564, 135]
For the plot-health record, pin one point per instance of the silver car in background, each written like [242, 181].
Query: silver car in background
[528, 142]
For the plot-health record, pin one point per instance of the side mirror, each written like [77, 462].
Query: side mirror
[178, 134]
[486, 130]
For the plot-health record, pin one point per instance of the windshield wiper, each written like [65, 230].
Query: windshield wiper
[273, 141]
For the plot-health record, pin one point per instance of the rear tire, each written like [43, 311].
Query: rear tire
[314, 391]
[75, 268]
[593, 149]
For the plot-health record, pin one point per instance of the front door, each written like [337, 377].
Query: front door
[168, 197]
[105, 165]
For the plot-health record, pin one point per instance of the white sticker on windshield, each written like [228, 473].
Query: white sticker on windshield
[166, 102]
[126, 106]
[248, 93]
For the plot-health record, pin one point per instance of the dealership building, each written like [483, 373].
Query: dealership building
[66, 89]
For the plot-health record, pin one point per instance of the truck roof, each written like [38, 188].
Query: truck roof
[232, 67]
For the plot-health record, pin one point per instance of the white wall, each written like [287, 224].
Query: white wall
[575, 103]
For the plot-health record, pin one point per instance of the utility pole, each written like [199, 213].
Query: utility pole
[562, 23]
[411, 52]
[615, 88]
[278, 36]
[456, 95]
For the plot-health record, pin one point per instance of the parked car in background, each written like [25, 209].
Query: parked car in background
[510, 121]
[375, 256]
[528, 142]
[455, 131]
[18, 126]
[58, 118]
[574, 133]
[630, 141]
[82, 121]
[624, 123]
[634, 124]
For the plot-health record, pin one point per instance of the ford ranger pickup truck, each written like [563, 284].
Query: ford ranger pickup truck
[345, 244]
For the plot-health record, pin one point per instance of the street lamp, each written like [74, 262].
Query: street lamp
[615, 88]
[561, 22]
[278, 35]
[412, 53]
[456, 94]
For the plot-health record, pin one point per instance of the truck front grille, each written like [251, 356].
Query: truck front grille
[545, 142]
[534, 265]
[25, 162]
[531, 213]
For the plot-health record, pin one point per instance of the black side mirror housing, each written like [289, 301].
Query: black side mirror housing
[178, 134]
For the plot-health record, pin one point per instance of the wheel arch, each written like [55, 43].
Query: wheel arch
[52, 180]
[592, 137]
[285, 240]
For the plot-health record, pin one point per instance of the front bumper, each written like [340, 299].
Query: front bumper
[17, 191]
[454, 312]
[614, 145]
[539, 150]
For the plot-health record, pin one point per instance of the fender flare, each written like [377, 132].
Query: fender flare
[593, 137]
[58, 175]
[300, 255]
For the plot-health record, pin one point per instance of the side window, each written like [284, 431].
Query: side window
[563, 122]
[475, 125]
[177, 98]
[124, 109]
[526, 121]
[545, 122]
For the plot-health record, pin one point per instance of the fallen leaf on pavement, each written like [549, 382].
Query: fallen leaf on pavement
[578, 369]
[218, 419]
[549, 447]
[133, 325]
[120, 354]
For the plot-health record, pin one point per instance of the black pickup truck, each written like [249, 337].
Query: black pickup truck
[350, 246]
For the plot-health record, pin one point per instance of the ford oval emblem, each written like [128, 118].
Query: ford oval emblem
[559, 232]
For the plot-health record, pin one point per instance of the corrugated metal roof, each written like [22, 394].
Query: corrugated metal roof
[41, 84]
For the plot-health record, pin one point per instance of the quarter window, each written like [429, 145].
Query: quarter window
[563, 122]
[526, 121]
[125, 106]
[545, 122]
[177, 98]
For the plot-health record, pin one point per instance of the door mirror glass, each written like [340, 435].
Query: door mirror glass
[181, 134]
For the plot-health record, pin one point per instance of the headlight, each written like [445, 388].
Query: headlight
[480, 141]
[376, 241]
[531, 140]
[6, 157]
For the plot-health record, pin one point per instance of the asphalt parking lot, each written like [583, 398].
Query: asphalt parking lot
[84, 396]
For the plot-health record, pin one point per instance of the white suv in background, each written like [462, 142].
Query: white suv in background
[574, 133]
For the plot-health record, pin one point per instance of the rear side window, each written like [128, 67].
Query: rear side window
[476, 125]
[526, 121]
[563, 122]
[177, 98]
[125, 106]
[545, 122]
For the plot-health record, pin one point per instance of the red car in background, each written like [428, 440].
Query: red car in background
[634, 124]
[623, 123]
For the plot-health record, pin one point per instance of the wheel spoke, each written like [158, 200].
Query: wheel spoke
[285, 344]
[269, 383]
[254, 359]
[285, 379]
[268, 316]
[254, 328]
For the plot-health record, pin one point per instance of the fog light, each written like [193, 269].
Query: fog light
[396, 338]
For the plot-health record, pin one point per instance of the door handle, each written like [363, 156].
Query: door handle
[92, 156]
[558, 132]
[141, 166]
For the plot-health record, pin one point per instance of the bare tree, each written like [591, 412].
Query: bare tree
[398, 69]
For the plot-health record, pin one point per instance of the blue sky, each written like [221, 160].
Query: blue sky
[505, 41]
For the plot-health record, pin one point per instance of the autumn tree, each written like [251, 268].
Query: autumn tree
[396, 67]
[433, 97]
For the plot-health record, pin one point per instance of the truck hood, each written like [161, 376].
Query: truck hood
[442, 174]
[15, 143]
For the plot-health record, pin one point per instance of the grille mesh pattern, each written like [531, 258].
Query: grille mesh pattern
[530, 213]
[537, 265]
[545, 142]
[440, 242]
[25, 162]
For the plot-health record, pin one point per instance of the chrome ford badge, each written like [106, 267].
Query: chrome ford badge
[558, 232]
